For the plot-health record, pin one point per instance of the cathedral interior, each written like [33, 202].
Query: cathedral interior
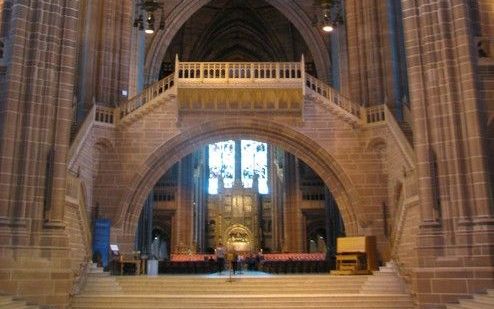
[269, 126]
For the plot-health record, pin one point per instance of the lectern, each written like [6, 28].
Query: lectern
[121, 260]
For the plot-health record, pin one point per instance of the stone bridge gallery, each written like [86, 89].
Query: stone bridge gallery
[339, 151]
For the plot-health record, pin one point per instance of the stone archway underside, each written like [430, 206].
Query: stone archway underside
[290, 140]
[185, 9]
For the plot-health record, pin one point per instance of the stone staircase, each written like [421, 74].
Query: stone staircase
[100, 282]
[386, 280]
[7, 301]
[278, 291]
[479, 301]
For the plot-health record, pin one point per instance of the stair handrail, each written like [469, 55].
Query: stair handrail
[333, 95]
[148, 94]
[407, 115]
[405, 146]
[81, 134]
[75, 194]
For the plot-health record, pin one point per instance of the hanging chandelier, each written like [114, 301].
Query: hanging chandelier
[330, 14]
[146, 18]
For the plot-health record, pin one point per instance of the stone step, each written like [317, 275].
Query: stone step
[267, 281]
[486, 298]
[479, 301]
[263, 297]
[8, 301]
[242, 302]
[280, 291]
[198, 292]
[473, 304]
[455, 306]
[251, 306]
[240, 282]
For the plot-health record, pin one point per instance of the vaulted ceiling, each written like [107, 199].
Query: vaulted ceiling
[237, 30]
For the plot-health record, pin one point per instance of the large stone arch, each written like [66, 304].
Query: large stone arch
[185, 9]
[300, 145]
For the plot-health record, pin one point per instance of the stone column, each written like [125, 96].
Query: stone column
[292, 241]
[277, 201]
[114, 51]
[454, 188]
[184, 212]
[369, 61]
[201, 200]
[35, 113]
[36, 94]
[238, 164]
[89, 42]
[445, 105]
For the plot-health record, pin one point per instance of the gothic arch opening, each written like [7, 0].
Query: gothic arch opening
[165, 156]
[246, 194]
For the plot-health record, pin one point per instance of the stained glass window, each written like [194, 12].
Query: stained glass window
[255, 161]
[221, 162]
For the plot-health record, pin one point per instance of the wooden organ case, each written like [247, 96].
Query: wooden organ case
[355, 255]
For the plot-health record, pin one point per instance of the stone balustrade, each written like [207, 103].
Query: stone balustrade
[332, 95]
[146, 96]
[81, 133]
[375, 114]
[72, 189]
[75, 195]
[239, 71]
[258, 81]
[104, 114]
[221, 75]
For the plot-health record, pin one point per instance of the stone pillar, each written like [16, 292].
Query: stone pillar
[454, 188]
[292, 241]
[276, 192]
[368, 62]
[184, 216]
[201, 199]
[89, 42]
[447, 125]
[238, 164]
[36, 94]
[36, 109]
[113, 54]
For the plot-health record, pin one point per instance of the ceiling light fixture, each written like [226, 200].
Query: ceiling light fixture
[330, 14]
[148, 8]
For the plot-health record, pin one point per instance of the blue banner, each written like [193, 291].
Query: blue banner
[101, 240]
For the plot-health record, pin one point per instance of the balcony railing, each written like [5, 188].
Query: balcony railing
[223, 71]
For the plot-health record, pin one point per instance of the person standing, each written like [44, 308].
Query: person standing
[234, 261]
[220, 257]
